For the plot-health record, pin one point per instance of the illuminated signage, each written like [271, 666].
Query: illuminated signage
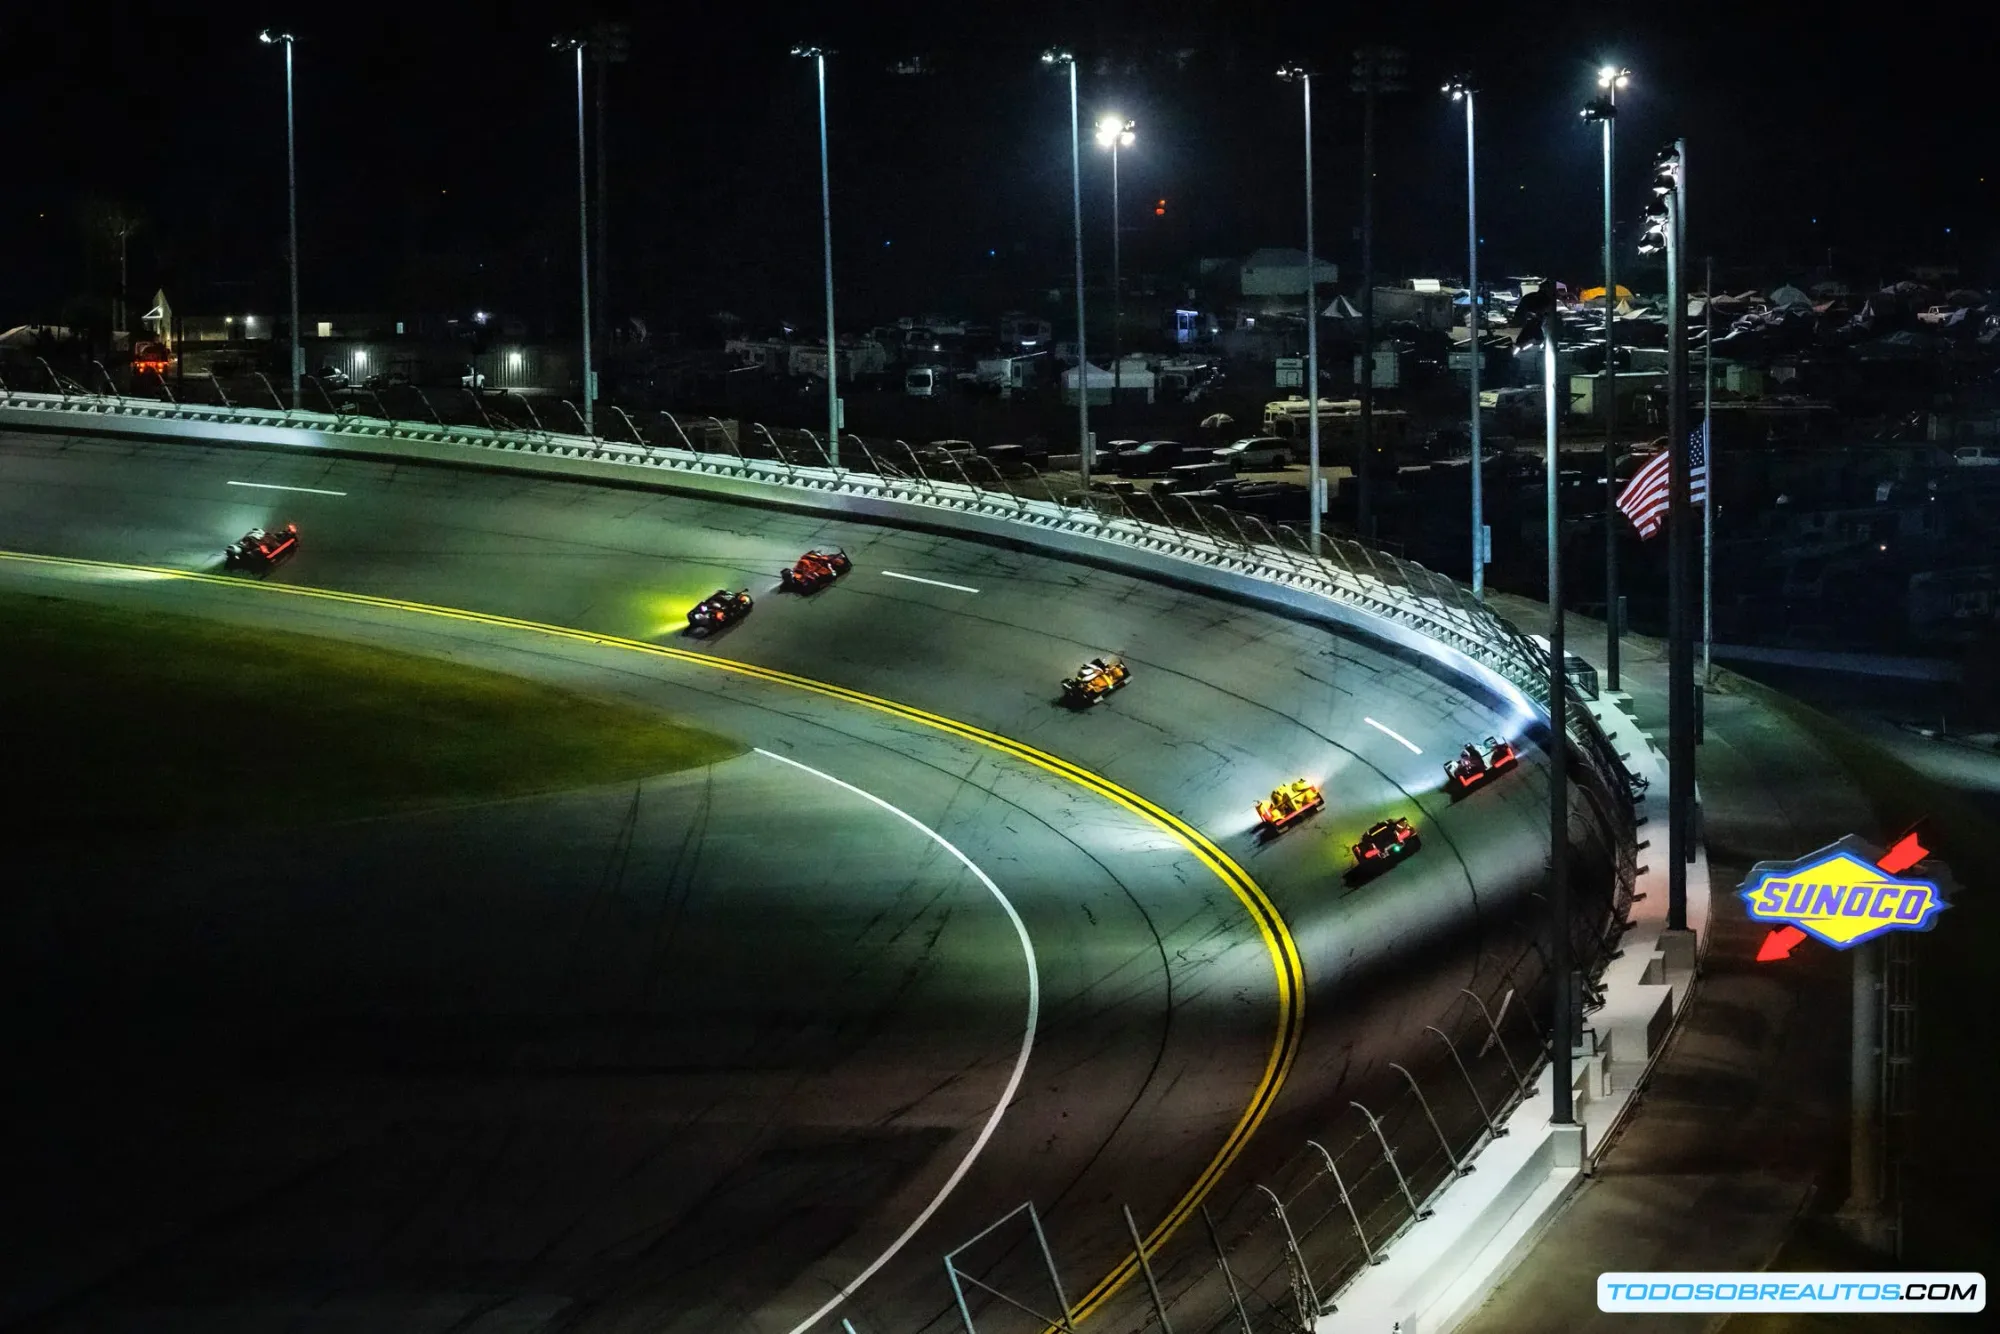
[1844, 894]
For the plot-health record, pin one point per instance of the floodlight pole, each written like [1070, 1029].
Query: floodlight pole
[1476, 348]
[1561, 1040]
[1708, 459]
[298, 356]
[1680, 656]
[826, 235]
[1608, 383]
[583, 250]
[1076, 223]
[1313, 483]
[1117, 293]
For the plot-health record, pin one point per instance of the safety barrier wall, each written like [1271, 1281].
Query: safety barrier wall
[1337, 579]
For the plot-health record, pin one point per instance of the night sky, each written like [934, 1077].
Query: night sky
[437, 147]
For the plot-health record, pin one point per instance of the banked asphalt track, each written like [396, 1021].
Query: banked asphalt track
[697, 1053]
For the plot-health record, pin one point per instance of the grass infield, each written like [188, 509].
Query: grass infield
[128, 722]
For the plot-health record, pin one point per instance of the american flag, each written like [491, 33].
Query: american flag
[1644, 499]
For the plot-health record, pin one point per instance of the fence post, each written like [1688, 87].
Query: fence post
[533, 416]
[480, 408]
[1457, 1169]
[320, 385]
[1064, 1322]
[1491, 1129]
[581, 429]
[1388, 1153]
[625, 417]
[56, 380]
[1195, 513]
[1353, 1215]
[270, 389]
[429, 407]
[223, 394]
[1146, 1268]
[1303, 1291]
[108, 382]
[1520, 1083]
[1222, 1263]
[674, 422]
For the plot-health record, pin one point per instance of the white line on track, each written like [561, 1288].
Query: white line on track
[273, 486]
[934, 583]
[1390, 732]
[1013, 1079]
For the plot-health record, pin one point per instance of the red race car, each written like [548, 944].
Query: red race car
[259, 550]
[1477, 763]
[815, 570]
[718, 609]
[1294, 801]
[1386, 841]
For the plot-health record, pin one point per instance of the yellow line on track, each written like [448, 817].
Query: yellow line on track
[1288, 968]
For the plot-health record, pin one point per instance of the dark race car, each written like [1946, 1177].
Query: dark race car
[1477, 763]
[718, 609]
[1385, 842]
[1095, 680]
[259, 550]
[814, 570]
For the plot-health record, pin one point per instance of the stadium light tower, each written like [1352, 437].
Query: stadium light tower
[1067, 60]
[818, 56]
[1297, 74]
[1666, 230]
[272, 37]
[1115, 132]
[576, 45]
[1460, 89]
[1604, 112]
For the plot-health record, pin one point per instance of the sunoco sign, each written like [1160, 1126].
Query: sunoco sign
[1841, 895]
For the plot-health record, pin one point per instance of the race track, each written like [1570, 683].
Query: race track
[698, 1054]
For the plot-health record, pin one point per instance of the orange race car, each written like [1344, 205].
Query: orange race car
[1095, 680]
[1293, 801]
[259, 550]
[814, 570]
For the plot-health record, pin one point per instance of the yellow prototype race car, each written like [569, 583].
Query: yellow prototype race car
[1293, 801]
[1095, 680]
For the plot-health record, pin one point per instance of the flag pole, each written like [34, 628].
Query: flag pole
[1708, 462]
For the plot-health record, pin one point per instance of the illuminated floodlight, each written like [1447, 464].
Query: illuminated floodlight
[1058, 56]
[1459, 87]
[1613, 76]
[272, 37]
[1114, 131]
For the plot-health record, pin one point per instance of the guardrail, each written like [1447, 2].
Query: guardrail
[1361, 1181]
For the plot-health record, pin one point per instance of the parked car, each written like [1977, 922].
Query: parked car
[1264, 451]
[331, 376]
[1937, 314]
[472, 378]
[1151, 458]
[1197, 477]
